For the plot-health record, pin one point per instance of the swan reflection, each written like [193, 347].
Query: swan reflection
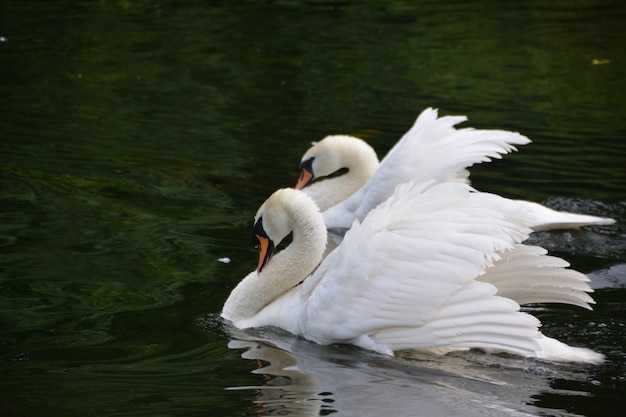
[301, 378]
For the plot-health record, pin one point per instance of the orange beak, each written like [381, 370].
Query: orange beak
[266, 248]
[306, 177]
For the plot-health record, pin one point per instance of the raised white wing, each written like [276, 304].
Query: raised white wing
[406, 276]
[431, 150]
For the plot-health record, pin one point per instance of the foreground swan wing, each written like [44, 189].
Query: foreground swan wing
[374, 292]
[433, 149]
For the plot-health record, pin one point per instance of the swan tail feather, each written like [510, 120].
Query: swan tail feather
[527, 275]
[549, 219]
[552, 349]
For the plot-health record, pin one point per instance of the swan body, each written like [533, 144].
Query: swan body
[433, 149]
[410, 276]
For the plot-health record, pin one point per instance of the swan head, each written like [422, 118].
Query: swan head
[287, 209]
[335, 153]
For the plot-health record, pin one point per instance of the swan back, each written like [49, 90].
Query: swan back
[416, 282]
[411, 264]
[412, 253]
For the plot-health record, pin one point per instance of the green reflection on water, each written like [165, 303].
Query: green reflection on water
[138, 139]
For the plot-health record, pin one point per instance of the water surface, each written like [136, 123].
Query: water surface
[137, 139]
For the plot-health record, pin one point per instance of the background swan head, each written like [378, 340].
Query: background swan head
[334, 153]
[329, 156]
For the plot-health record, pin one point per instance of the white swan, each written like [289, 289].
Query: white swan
[431, 150]
[405, 278]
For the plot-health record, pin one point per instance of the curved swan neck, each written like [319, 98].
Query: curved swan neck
[285, 211]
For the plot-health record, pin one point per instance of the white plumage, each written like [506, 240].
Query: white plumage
[433, 149]
[413, 275]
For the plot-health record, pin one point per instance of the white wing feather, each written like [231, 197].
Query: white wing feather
[428, 139]
[405, 277]
[527, 275]
[413, 276]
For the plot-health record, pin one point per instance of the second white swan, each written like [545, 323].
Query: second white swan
[433, 149]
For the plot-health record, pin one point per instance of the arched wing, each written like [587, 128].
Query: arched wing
[406, 276]
[433, 149]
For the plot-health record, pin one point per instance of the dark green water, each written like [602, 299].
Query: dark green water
[138, 138]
